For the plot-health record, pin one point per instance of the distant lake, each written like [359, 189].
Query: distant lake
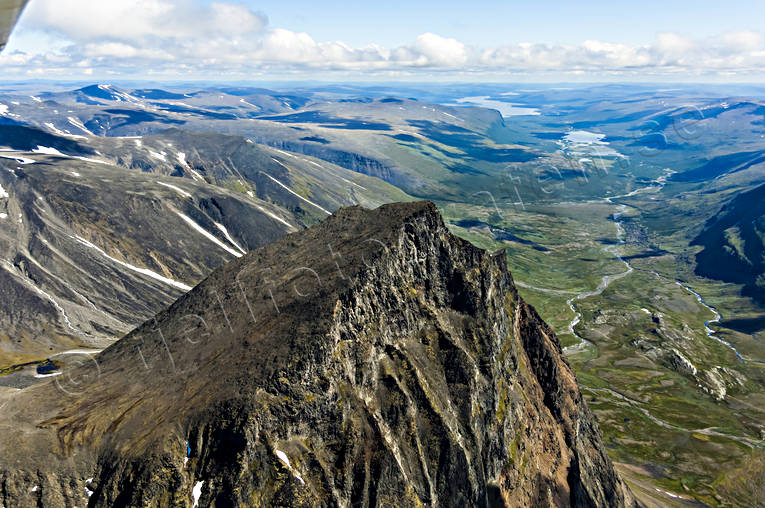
[587, 143]
[504, 108]
[585, 137]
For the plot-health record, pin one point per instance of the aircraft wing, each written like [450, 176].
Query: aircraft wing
[9, 13]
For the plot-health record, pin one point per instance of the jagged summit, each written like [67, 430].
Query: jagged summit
[372, 360]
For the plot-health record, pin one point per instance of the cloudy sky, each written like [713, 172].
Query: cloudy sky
[448, 40]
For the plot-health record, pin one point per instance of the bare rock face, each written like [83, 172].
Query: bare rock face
[373, 360]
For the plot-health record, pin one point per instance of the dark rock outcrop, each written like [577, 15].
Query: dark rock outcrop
[373, 360]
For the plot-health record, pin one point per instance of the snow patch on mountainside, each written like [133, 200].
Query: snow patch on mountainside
[207, 235]
[143, 271]
[228, 237]
[77, 123]
[176, 189]
[293, 192]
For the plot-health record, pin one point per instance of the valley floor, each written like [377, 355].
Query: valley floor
[649, 352]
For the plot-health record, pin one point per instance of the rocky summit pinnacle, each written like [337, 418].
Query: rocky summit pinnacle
[372, 360]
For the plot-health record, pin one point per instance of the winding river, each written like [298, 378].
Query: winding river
[718, 317]
[606, 281]
[654, 186]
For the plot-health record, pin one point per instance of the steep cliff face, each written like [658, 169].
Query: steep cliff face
[373, 360]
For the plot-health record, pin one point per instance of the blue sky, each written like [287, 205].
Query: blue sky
[489, 23]
[407, 40]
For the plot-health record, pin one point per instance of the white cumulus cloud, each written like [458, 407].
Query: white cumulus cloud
[131, 20]
[437, 50]
[180, 37]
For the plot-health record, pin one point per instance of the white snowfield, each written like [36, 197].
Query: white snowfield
[88, 159]
[13, 270]
[182, 159]
[319, 166]
[88, 492]
[143, 271]
[196, 493]
[42, 376]
[46, 150]
[272, 215]
[77, 123]
[78, 352]
[291, 191]
[207, 234]
[55, 129]
[228, 237]
[176, 189]
[20, 160]
[67, 134]
[283, 457]
[118, 95]
[196, 175]
[3, 193]
[158, 155]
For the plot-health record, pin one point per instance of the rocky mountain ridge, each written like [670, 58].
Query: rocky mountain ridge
[372, 360]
